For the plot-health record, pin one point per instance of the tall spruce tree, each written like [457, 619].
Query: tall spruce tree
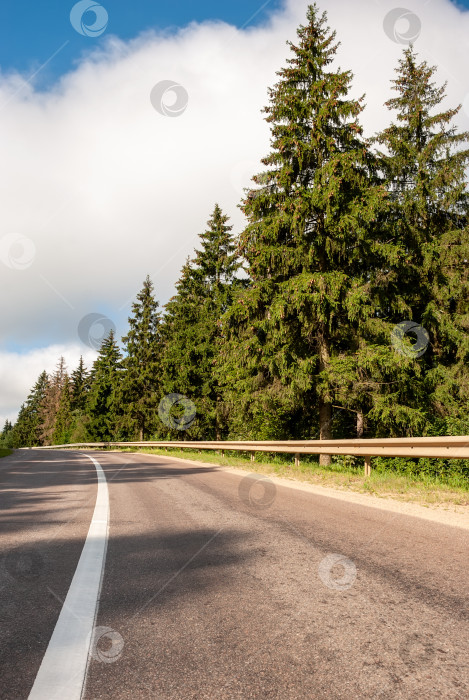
[139, 392]
[217, 263]
[309, 244]
[79, 390]
[35, 402]
[7, 428]
[6, 436]
[50, 403]
[103, 407]
[19, 436]
[79, 387]
[64, 418]
[424, 165]
[27, 429]
[191, 328]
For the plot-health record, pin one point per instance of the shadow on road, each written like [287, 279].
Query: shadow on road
[34, 484]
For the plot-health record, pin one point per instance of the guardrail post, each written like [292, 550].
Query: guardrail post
[367, 466]
[297, 459]
[253, 456]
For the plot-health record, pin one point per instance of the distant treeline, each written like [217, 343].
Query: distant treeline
[347, 239]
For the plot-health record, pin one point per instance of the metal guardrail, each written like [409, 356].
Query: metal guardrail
[451, 447]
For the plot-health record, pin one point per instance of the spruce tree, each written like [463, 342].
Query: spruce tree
[216, 264]
[309, 244]
[79, 387]
[424, 166]
[19, 436]
[64, 417]
[139, 392]
[7, 434]
[7, 428]
[79, 390]
[180, 362]
[27, 429]
[103, 408]
[50, 402]
[191, 329]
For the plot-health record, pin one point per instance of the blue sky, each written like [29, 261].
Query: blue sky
[33, 31]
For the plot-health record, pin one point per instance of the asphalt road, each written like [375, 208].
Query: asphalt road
[218, 585]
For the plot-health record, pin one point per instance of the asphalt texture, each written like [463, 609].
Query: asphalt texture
[219, 585]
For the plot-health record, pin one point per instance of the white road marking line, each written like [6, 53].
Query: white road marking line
[63, 669]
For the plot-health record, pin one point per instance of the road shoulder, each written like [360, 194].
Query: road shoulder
[452, 515]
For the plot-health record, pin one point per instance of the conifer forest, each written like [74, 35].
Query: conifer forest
[342, 308]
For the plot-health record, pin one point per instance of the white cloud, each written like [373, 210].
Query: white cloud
[109, 190]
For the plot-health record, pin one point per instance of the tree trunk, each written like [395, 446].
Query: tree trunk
[325, 406]
[217, 422]
[325, 432]
[360, 424]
